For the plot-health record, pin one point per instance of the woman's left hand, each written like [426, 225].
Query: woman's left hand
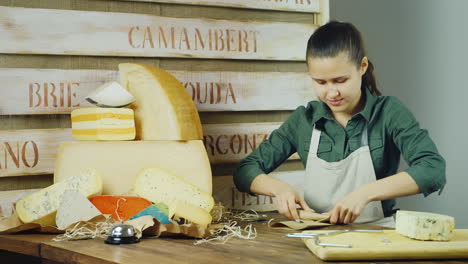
[348, 208]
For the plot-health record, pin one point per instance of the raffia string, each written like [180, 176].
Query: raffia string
[230, 228]
[89, 230]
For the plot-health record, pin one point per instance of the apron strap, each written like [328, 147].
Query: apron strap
[314, 141]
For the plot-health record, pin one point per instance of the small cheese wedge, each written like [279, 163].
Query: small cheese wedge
[189, 212]
[119, 162]
[120, 207]
[41, 207]
[164, 110]
[103, 124]
[158, 185]
[74, 207]
[110, 94]
[424, 226]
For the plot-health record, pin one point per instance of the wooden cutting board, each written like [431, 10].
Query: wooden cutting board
[388, 245]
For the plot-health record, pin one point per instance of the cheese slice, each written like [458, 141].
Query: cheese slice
[119, 162]
[74, 207]
[103, 124]
[424, 226]
[110, 94]
[41, 207]
[164, 110]
[161, 186]
[121, 208]
[189, 212]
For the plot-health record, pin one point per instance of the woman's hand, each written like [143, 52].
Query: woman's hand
[350, 207]
[286, 197]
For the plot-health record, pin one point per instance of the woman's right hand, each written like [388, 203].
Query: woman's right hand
[286, 198]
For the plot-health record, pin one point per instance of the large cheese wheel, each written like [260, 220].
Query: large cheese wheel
[163, 108]
[119, 162]
[41, 207]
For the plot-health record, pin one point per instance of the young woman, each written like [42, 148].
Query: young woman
[349, 141]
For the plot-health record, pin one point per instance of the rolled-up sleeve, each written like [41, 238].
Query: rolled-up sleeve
[269, 155]
[426, 165]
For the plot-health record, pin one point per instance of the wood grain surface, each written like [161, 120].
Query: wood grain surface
[270, 246]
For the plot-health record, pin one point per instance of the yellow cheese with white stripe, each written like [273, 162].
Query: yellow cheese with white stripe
[103, 124]
[119, 162]
[424, 226]
[41, 207]
[164, 110]
[161, 186]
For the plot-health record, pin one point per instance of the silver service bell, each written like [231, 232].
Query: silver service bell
[122, 234]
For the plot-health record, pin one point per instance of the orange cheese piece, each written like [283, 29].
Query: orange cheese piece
[124, 206]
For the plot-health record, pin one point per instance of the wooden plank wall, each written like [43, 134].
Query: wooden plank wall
[11, 61]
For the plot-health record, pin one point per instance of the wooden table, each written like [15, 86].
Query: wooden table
[270, 246]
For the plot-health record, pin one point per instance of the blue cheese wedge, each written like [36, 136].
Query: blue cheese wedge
[41, 207]
[425, 226]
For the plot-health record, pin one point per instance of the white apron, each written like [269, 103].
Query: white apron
[328, 182]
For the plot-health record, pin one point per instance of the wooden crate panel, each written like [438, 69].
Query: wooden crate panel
[33, 151]
[307, 6]
[52, 91]
[66, 32]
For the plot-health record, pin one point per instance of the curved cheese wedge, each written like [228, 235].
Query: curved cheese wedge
[103, 124]
[424, 226]
[41, 207]
[163, 108]
[161, 186]
[189, 212]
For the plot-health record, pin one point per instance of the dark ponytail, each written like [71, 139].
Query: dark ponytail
[335, 37]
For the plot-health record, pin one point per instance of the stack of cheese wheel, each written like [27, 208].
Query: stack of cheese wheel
[164, 161]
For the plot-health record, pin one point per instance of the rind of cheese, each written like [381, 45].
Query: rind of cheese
[41, 207]
[110, 94]
[164, 110]
[119, 162]
[155, 212]
[74, 207]
[161, 186]
[189, 212]
[120, 207]
[424, 226]
[103, 124]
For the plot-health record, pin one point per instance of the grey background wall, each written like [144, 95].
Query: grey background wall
[420, 49]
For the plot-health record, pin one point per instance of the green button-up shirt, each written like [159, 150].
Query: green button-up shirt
[392, 130]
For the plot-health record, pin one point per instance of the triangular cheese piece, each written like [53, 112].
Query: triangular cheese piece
[74, 208]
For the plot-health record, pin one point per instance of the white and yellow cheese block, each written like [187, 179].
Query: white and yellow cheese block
[189, 212]
[74, 207]
[164, 110]
[103, 124]
[41, 207]
[161, 186]
[119, 162]
[424, 226]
